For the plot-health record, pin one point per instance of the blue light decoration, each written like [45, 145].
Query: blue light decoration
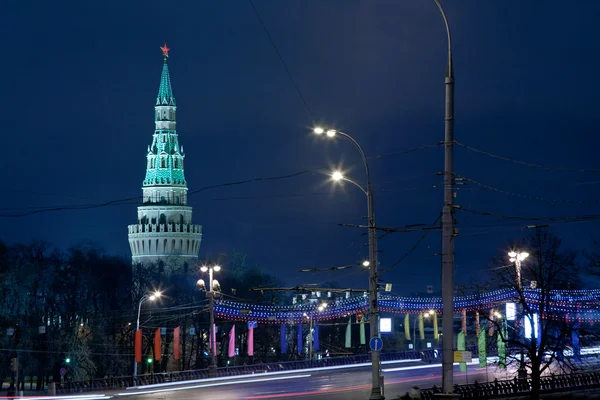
[584, 302]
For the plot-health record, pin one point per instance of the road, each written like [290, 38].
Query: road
[347, 384]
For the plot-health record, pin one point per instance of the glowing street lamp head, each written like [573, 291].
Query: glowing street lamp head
[318, 130]
[523, 256]
[217, 268]
[337, 176]
[366, 263]
[512, 254]
[155, 295]
[204, 268]
[331, 132]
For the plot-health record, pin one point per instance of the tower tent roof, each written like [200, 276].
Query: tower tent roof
[165, 93]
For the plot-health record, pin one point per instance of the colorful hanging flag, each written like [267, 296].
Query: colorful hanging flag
[213, 340]
[406, 327]
[283, 339]
[157, 340]
[421, 327]
[501, 350]
[482, 348]
[460, 345]
[436, 332]
[176, 333]
[250, 339]
[300, 336]
[138, 346]
[362, 332]
[348, 343]
[575, 343]
[316, 337]
[231, 349]
[464, 320]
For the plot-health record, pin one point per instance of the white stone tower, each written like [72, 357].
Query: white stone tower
[164, 231]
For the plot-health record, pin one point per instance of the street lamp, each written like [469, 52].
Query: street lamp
[320, 308]
[517, 257]
[213, 285]
[376, 393]
[151, 297]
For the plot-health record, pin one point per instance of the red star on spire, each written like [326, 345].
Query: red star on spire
[165, 50]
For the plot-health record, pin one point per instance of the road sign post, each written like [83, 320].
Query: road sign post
[376, 343]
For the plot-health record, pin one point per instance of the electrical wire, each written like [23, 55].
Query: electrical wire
[287, 70]
[130, 200]
[570, 218]
[488, 187]
[529, 164]
[414, 246]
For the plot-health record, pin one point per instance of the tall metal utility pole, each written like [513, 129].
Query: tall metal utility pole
[448, 225]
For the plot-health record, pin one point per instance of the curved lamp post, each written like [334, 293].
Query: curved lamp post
[448, 223]
[151, 297]
[376, 393]
[213, 286]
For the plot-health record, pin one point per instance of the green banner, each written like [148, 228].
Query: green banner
[406, 327]
[501, 349]
[482, 348]
[460, 345]
[362, 332]
[349, 333]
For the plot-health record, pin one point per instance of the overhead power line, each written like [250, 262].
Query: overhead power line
[568, 218]
[483, 185]
[529, 164]
[287, 70]
[130, 200]
[414, 246]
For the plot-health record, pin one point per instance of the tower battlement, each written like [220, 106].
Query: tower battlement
[165, 228]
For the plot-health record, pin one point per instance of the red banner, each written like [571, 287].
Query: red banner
[157, 344]
[176, 343]
[138, 346]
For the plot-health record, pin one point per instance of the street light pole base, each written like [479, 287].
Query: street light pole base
[212, 371]
[376, 395]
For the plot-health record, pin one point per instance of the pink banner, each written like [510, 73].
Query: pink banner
[231, 351]
[213, 340]
[251, 341]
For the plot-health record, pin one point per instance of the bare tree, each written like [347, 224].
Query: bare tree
[534, 278]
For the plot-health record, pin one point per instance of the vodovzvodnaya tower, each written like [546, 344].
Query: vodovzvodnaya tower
[164, 231]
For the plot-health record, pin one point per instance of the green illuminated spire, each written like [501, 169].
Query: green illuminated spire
[165, 155]
[165, 93]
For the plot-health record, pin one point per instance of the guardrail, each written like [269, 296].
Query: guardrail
[497, 389]
[122, 382]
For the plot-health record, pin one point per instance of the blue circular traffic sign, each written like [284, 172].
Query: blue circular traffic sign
[376, 343]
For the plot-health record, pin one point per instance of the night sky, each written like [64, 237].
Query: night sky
[80, 81]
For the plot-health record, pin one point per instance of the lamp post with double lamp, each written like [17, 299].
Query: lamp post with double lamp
[425, 315]
[517, 257]
[376, 389]
[213, 286]
[151, 297]
[310, 318]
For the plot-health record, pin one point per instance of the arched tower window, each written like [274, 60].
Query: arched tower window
[162, 219]
[163, 162]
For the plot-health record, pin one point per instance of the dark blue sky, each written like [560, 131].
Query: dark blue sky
[80, 81]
